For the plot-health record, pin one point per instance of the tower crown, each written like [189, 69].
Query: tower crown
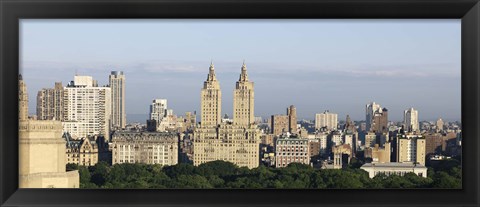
[211, 73]
[243, 74]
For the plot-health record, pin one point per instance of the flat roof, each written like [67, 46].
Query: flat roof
[392, 165]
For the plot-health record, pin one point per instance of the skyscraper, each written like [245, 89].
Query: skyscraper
[86, 108]
[117, 87]
[292, 119]
[50, 103]
[410, 120]
[326, 120]
[279, 124]
[370, 110]
[211, 100]
[243, 100]
[376, 118]
[236, 142]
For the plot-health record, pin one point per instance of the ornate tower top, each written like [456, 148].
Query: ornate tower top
[211, 73]
[243, 74]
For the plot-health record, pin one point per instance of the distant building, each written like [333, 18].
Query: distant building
[326, 120]
[411, 148]
[292, 119]
[433, 144]
[86, 108]
[394, 168]
[291, 150]
[144, 147]
[158, 109]
[370, 139]
[378, 154]
[50, 103]
[117, 87]
[440, 125]
[279, 124]
[314, 147]
[376, 118]
[411, 120]
[323, 142]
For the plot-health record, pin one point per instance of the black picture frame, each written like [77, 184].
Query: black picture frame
[13, 10]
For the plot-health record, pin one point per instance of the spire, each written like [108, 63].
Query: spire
[211, 72]
[243, 74]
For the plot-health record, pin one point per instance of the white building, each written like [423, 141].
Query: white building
[86, 108]
[336, 138]
[394, 168]
[158, 109]
[327, 120]
[410, 119]
[117, 87]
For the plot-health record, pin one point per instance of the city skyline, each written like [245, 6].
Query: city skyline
[342, 89]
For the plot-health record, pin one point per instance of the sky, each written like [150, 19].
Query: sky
[316, 65]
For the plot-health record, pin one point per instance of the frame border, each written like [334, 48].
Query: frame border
[13, 10]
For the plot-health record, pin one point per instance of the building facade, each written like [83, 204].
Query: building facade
[236, 141]
[144, 147]
[81, 152]
[291, 150]
[50, 103]
[86, 108]
[326, 120]
[279, 124]
[117, 88]
[411, 148]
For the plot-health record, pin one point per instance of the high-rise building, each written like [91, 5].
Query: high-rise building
[376, 118]
[243, 100]
[86, 108]
[279, 124]
[411, 148]
[410, 119]
[50, 103]
[158, 109]
[237, 142]
[370, 110]
[292, 119]
[326, 120]
[211, 100]
[117, 87]
[41, 150]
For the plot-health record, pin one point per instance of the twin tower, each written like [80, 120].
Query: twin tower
[238, 142]
[243, 100]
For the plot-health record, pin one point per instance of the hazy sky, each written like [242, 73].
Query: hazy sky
[316, 65]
